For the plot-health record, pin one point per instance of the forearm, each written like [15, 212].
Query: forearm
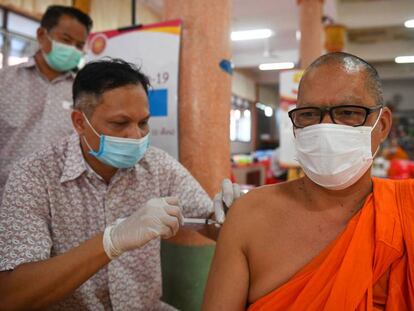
[40, 284]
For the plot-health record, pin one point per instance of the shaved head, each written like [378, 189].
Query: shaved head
[350, 64]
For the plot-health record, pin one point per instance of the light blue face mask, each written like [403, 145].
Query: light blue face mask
[63, 57]
[119, 152]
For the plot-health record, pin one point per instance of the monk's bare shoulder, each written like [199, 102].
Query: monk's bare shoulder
[267, 198]
[257, 237]
[262, 205]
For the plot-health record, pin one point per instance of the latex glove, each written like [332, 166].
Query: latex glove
[224, 199]
[159, 217]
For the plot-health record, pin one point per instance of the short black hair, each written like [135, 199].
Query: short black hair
[372, 81]
[53, 13]
[104, 75]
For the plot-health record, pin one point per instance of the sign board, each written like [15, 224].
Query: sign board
[155, 49]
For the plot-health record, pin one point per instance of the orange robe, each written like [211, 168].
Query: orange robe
[370, 264]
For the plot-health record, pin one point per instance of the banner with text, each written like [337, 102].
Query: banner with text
[155, 49]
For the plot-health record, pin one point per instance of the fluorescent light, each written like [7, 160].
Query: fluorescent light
[260, 106]
[251, 34]
[268, 111]
[298, 35]
[409, 23]
[404, 59]
[237, 114]
[277, 66]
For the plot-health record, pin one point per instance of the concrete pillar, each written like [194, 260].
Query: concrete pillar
[311, 28]
[204, 127]
[205, 89]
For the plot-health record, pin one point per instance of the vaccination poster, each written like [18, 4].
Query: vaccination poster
[155, 49]
[288, 87]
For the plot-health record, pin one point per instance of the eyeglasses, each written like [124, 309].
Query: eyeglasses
[346, 115]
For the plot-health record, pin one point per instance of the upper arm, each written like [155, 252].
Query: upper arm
[24, 218]
[177, 181]
[228, 281]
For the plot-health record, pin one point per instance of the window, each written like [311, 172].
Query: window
[17, 37]
[240, 120]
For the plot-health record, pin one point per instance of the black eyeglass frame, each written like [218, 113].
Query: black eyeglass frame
[323, 111]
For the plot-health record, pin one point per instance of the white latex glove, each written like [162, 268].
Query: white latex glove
[224, 199]
[159, 217]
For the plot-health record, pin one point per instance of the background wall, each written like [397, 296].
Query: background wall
[404, 88]
[243, 85]
[106, 14]
[269, 95]
[109, 14]
[34, 6]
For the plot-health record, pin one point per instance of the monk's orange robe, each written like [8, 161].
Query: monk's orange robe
[370, 263]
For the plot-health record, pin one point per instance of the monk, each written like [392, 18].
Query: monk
[336, 239]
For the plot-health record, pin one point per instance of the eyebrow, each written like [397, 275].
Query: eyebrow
[121, 115]
[343, 102]
[146, 118]
[73, 39]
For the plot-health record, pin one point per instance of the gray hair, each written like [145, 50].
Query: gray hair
[351, 63]
[87, 103]
[98, 77]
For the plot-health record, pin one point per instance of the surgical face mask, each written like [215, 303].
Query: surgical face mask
[334, 156]
[63, 57]
[119, 152]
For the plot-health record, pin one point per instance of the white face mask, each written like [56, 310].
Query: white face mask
[334, 156]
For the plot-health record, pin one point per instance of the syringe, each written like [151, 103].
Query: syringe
[203, 221]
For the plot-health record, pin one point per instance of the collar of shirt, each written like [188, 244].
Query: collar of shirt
[92, 171]
[75, 164]
[31, 64]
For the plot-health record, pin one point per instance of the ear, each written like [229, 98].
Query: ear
[385, 123]
[78, 121]
[44, 42]
[40, 34]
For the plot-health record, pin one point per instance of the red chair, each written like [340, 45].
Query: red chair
[401, 169]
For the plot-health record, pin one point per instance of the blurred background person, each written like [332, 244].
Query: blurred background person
[35, 96]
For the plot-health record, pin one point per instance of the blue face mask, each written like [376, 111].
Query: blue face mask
[63, 57]
[119, 152]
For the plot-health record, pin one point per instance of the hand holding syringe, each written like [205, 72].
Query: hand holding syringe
[221, 203]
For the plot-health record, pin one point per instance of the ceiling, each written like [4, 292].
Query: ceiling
[375, 31]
